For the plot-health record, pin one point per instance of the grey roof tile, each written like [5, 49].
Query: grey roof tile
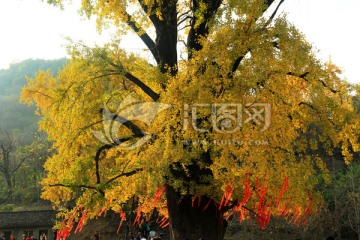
[27, 219]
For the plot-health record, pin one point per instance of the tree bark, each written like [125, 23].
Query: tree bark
[10, 188]
[194, 220]
[5, 169]
[166, 37]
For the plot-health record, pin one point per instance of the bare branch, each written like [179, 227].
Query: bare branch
[183, 14]
[184, 19]
[186, 26]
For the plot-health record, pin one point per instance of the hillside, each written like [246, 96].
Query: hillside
[14, 115]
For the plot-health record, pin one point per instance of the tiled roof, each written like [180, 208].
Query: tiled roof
[27, 219]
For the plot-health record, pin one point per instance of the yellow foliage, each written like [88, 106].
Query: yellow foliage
[297, 97]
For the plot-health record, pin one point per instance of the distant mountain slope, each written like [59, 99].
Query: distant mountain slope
[12, 113]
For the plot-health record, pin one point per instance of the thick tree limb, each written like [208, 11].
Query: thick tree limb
[131, 126]
[143, 86]
[97, 159]
[166, 33]
[144, 37]
[128, 124]
[199, 26]
[150, 12]
[236, 65]
[151, 93]
[274, 13]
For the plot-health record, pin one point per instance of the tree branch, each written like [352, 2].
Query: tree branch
[275, 44]
[325, 85]
[166, 33]
[143, 86]
[128, 124]
[97, 159]
[150, 12]
[299, 76]
[199, 24]
[274, 13]
[124, 174]
[78, 186]
[302, 76]
[316, 110]
[131, 126]
[183, 14]
[144, 37]
[183, 20]
[72, 186]
[236, 65]
[21, 162]
[154, 96]
[268, 3]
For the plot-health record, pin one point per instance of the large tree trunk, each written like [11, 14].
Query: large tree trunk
[191, 221]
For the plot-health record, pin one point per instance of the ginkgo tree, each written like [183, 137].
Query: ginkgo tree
[209, 123]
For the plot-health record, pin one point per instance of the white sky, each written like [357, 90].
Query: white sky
[34, 29]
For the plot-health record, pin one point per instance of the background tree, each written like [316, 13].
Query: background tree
[10, 161]
[343, 202]
[27, 187]
[233, 53]
[18, 124]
